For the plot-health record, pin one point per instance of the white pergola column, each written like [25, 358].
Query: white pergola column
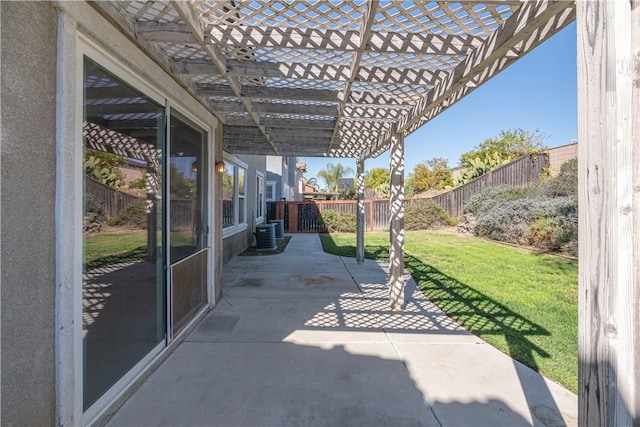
[396, 226]
[609, 212]
[360, 213]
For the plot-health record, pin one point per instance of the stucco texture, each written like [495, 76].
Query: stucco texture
[28, 69]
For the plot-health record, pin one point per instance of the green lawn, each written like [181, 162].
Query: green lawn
[524, 303]
[106, 248]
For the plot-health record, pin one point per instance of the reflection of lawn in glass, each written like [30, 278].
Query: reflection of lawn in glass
[107, 248]
[182, 238]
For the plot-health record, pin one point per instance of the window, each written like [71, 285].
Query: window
[271, 191]
[259, 197]
[228, 195]
[234, 190]
[242, 206]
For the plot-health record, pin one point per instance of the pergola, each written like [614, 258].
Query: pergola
[354, 78]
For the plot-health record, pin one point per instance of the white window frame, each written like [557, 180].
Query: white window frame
[274, 185]
[237, 227]
[261, 206]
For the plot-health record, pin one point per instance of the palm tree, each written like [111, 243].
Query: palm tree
[333, 173]
[313, 182]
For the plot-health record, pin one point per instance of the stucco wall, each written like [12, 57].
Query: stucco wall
[28, 69]
[559, 155]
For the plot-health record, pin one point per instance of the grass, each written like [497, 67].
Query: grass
[106, 248]
[523, 303]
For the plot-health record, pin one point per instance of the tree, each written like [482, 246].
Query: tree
[509, 145]
[375, 177]
[333, 173]
[376, 183]
[180, 186]
[313, 182]
[429, 175]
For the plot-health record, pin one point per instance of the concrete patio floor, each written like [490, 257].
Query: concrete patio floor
[306, 339]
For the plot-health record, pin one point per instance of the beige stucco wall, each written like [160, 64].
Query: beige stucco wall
[559, 155]
[28, 168]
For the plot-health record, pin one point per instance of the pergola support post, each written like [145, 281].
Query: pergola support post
[360, 213]
[609, 213]
[396, 225]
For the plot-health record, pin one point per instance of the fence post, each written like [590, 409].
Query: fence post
[293, 218]
[360, 212]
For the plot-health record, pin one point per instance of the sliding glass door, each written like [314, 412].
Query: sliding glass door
[123, 293]
[188, 228]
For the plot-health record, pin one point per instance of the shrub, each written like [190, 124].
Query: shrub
[133, 216]
[425, 214]
[493, 195]
[520, 221]
[337, 222]
[93, 204]
[553, 233]
[564, 185]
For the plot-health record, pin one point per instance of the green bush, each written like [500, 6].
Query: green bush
[133, 216]
[337, 222]
[426, 215]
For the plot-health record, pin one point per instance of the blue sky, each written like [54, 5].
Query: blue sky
[536, 92]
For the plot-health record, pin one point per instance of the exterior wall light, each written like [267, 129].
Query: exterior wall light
[220, 166]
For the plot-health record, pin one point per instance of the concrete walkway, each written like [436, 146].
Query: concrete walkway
[305, 339]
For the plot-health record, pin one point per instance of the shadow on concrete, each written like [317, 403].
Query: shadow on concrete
[300, 340]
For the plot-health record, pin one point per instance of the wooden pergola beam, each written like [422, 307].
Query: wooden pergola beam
[380, 75]
[365, 32]
[277, 108]
[278, 140]
[192, 20]
[285, 123]
[269, 93]
[298, 132]
[329, 39]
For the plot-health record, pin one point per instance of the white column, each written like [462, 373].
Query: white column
[360, 213]
[396, 226]
[609, 212]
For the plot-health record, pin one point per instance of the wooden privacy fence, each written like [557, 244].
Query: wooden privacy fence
[183, 212]
[303, 217]
[520, 172]
[112, 200]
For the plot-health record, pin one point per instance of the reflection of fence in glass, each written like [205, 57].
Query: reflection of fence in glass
[114, 201]
[227, 213]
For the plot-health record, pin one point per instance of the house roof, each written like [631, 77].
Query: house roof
[338, 78]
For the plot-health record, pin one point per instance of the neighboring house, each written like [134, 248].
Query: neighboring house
[284, 179]
[346, 183]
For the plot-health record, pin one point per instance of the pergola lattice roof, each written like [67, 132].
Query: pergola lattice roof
[333, 78]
